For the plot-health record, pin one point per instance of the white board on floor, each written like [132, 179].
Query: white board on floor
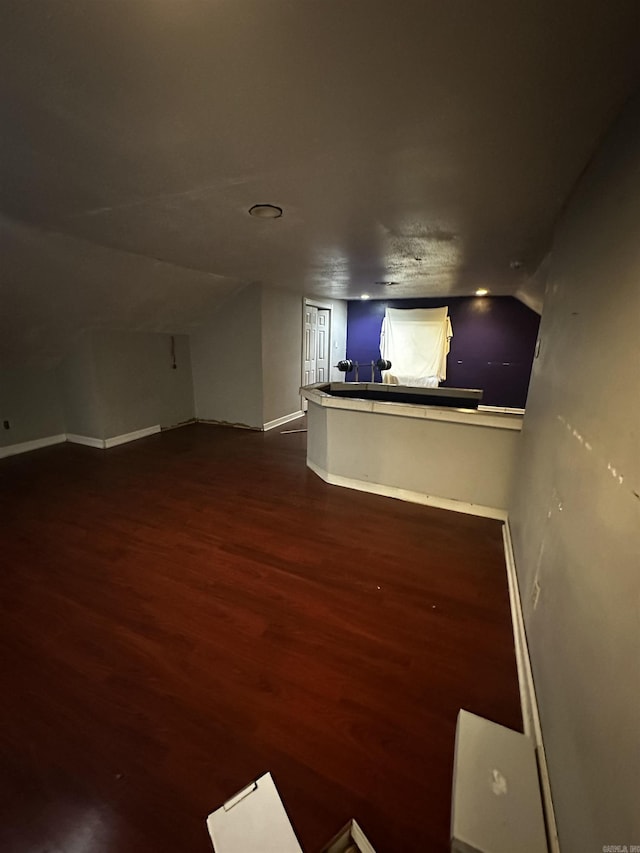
[254, 819]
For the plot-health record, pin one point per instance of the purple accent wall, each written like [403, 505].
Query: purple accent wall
[492, 348]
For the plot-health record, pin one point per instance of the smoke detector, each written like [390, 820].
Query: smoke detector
[265, 211]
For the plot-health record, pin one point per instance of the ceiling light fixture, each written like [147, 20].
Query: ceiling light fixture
[365, 296]
[481, 291]
[265, 211]
[516, 265]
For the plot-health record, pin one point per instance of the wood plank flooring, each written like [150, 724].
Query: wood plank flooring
[180, 614]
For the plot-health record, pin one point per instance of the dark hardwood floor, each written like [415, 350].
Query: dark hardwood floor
[183, 613]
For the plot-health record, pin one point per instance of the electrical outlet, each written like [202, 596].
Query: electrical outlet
[536, 593]
[6, 424]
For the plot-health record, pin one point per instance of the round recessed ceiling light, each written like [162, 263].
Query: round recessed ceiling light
[481, 291]
[365, 296]
[265, 211]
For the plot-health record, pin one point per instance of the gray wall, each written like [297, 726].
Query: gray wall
[243, 366]
[137, 384]
[81, 401]
[247, 360]
[226, 360]
[338, 336]
[30, 401]
[115, 382]
[575, 514]
[281, 352]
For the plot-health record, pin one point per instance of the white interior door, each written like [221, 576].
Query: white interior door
[310, 344]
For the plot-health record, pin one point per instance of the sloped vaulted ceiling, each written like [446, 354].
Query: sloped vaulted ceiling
[431, 144]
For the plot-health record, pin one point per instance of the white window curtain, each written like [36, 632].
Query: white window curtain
[416, 341]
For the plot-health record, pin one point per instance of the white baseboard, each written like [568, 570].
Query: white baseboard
[283, 420]
[528, 700]
[87, 440]
[27, 446]
[407, 495]
[115, 440]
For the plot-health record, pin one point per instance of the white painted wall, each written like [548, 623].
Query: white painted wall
[30, 401]
[247, 361]
[117, 382]
[575, 512]
[81, 401]
[281, 352]
[226, 360]
[246, 370]
[136, 382]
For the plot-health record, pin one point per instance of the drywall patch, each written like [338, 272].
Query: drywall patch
[615, 474]
[498, 783]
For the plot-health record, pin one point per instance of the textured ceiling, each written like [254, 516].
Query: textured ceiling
[425, 143]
